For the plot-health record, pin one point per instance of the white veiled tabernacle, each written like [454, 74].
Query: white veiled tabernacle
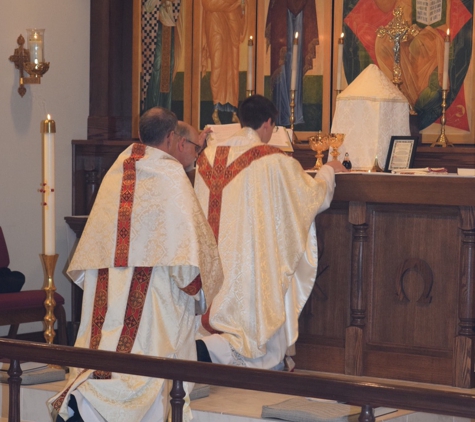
[369, 111]
[266, 235]
[168, 232]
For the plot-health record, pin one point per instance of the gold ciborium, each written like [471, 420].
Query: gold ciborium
[335, 140]
[319, 144]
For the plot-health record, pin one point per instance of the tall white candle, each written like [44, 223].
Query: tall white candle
[445, 75]
[340, 62]
[250, 56]
[295, 51]
[48, 129]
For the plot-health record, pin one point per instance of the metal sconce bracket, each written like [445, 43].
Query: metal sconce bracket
[21, 59]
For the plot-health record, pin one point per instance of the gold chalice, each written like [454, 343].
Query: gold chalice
[336, 139]
[319, 144]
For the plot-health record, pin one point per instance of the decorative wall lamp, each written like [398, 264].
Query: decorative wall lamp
[31, 59]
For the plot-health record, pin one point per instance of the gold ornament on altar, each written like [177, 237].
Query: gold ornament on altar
[319, 144]
[397, 30]
[336, 140]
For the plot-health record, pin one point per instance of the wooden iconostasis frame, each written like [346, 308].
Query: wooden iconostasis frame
[195, 83]
[193, 97]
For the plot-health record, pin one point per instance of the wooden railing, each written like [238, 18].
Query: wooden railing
[362, 393]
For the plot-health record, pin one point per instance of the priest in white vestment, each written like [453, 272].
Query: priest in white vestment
[261, 206]
[146, 257]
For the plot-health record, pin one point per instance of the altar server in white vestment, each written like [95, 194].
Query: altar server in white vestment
[261, 206]
[147, 255]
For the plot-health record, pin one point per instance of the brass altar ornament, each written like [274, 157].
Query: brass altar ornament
[31, 59]
[295, 140]
[49, 264]
[442, 140]
[397, 30]
[336, 139]
[319, 144]
[375, 168]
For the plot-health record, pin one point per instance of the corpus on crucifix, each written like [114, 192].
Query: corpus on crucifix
[397, 30]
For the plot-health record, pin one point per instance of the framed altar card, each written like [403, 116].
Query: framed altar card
[401, 153]
[367, 26]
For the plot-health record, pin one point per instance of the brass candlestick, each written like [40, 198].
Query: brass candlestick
[295, 140]
[49, 264]
[442, 140]
[375, 168]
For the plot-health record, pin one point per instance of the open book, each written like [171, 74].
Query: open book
[280, 139]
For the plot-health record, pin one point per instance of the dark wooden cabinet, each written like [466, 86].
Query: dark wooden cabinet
[395, 293]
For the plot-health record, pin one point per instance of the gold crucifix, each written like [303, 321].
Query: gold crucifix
[397, 30]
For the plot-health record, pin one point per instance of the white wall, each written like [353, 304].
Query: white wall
[63, 93]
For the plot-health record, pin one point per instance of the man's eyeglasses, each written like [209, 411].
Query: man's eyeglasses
[198, 148]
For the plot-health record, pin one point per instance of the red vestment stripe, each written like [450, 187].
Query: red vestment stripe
[100, 307]
[98, 316]
[133, 313]
[217, 178]
[125, 207]
[194, 287]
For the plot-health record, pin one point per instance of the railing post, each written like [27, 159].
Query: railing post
[177, 394]
[14, 382]
[367, 414]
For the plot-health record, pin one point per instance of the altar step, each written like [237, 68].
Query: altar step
[223, 405]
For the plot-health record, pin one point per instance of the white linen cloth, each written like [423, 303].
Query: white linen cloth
[369, 111]
[168, 232]
[268, 248]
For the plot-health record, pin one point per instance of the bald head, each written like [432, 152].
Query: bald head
[155, 126]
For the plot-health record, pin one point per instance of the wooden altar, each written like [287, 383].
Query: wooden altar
[394, 297]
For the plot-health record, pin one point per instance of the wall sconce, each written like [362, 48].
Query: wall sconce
[30, 60]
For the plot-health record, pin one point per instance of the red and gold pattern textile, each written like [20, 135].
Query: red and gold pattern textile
[126, 205]
[146, 250]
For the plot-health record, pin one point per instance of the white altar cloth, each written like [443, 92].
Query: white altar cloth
[369, 111]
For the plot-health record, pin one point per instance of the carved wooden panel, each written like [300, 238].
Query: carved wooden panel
[326, 311]
[409, 248]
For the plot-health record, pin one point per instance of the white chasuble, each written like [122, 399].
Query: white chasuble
[261, 206]
[145, 254]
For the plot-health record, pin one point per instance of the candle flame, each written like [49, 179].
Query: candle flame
[250, 37]
[296, 35]
[342, 35]
[448, 31]
[49, 117]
